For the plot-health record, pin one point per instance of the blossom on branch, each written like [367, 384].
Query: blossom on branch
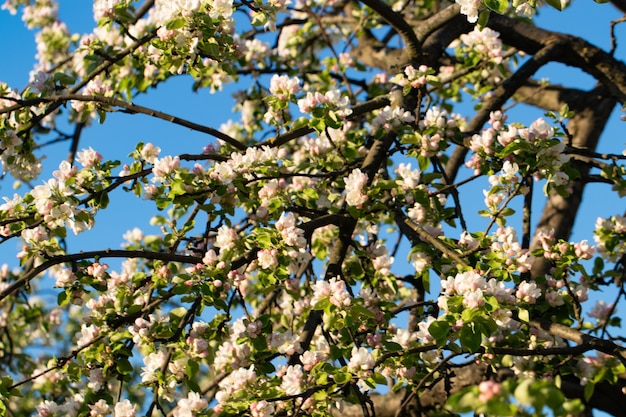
[355, 185]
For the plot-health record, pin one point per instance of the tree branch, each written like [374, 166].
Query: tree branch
[576, 336]
[107, 253]
[571, 51]
[131, 108]
[396, 20]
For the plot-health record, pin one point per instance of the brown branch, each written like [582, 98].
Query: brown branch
[572, 51]
[143, 9]
[425, 28]
[620, 5]
[527, 213]
[396, 20]
[97, 71]
[203, 157]
[580, 338]
[417, 233]
[547, 97]
[131, 108]
[75, 141]
[107, 253]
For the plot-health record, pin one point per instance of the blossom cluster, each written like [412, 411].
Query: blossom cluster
[356, 194]
[242, 164]
[412, 77]
[610, 237]
[472, 286]
[333, 290]
[509, 251]
[527, 9]
[57, 203]
[391, 117]
[484, 41]
[437, 129]
[333, 100]
[526, 151]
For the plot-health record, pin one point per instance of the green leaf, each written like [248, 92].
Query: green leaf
[123, 366]
[553, 397]
[426, 281]
[498, 6]
[556, 4]
[424, 162]
[63, 78]
[5, 382]
[263, 240]
[175, 24]
[463, 401]
[322, 304]
[73, 371]
[102, 200]
[468, 315]
[163, 202]
[379, 379]
[397, 386]
[265, 367]
[177, 188]
[342, 378]
[564, 111]
[192, 368]
[177, 314]
[523, 315]
[439, 330]
[357, 312]
[318, 396]
[522, 392]
[491, 303]
[393, 347]
[470, 338]
[102, 116]
[321, 378]
[60, 232]
[507, 212]
[598, 265]
[62, 299]
[318, 124]
[483, 17]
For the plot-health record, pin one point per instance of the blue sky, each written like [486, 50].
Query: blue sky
[117, 137]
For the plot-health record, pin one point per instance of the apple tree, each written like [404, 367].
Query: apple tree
[364, 236]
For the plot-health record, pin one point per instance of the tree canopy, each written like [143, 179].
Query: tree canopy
[361, 238]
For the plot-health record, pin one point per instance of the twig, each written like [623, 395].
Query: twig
[107, 253]
[130, 107]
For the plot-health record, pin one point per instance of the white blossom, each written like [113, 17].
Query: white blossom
[361, 359]
[124, 408]
[470, 9]
[355, 186]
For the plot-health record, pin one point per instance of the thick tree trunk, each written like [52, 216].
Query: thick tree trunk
[591, 112]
